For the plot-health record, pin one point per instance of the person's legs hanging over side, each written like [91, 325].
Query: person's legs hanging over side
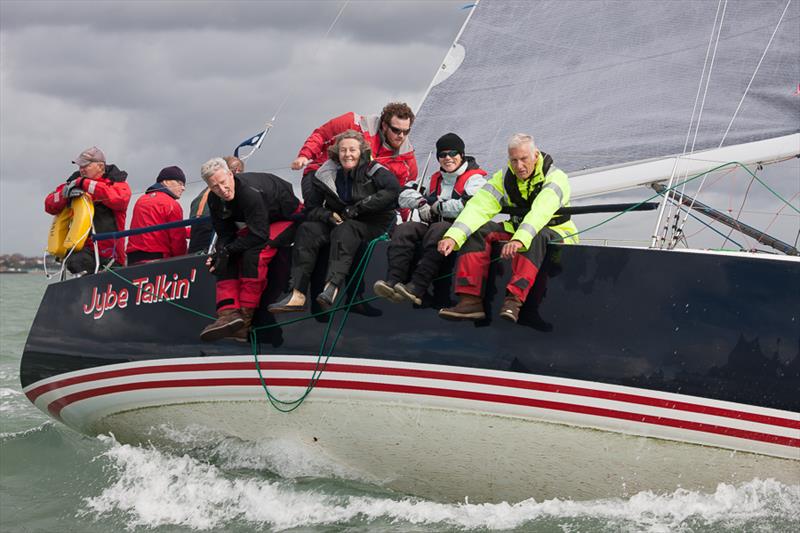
[402, 249]
[525, 266]
[472, 269]
[429, 265]
[345, 239]
[310, 237]
[229, 318]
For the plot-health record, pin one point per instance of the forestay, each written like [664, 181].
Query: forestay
[604, 84]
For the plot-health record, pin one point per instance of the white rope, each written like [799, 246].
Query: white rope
[735, 113]
[656, 238]
[677, 226]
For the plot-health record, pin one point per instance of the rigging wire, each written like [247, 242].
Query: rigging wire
[744, 199]
[753, 77]
[656, 240]
[733, 118]
[676, 227]
[271, 122]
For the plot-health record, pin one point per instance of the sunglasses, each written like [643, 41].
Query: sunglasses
[398, 131]
[447, 153]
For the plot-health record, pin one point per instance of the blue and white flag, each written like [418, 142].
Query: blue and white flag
[255, 140]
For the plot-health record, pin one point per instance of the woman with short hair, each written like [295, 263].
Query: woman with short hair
[352, 201]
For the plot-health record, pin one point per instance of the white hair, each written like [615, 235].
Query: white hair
[211, 167]
[519, 139]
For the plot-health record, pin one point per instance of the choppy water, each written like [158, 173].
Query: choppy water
[53, 479]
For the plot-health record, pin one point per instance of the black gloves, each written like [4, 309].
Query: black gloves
[220, 260]
[351, 211]
[73, 188]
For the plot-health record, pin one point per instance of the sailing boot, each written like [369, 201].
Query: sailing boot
[293, 302]
[410, 292]
[327, 298]
[386, 289]
[228, 322]
[469, 307]
[511, 307]
[243, 333]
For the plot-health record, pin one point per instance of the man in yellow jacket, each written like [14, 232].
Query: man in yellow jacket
[531, 189]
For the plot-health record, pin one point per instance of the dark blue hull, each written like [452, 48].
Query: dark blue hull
[717, 326]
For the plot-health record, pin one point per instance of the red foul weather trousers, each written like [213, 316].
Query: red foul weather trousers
[246, 277]
[474, 258]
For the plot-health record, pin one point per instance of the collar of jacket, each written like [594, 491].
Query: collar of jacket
[453, 175]
[160, 187]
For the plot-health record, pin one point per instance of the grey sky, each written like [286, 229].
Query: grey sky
[163, 83]
[159, 83]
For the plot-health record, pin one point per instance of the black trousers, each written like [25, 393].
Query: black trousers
[415, 241]
[345, 240]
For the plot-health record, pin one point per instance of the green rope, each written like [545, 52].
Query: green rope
[287, 406]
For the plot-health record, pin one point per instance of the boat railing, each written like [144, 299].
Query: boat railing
[114, 235]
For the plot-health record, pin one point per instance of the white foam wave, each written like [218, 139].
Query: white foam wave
[151, 489]
[25, 432]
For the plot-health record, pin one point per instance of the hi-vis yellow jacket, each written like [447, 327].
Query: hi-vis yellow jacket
[549, 189]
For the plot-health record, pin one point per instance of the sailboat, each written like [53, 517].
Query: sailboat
[631, 368]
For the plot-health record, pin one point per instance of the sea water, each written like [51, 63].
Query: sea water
[53, 479]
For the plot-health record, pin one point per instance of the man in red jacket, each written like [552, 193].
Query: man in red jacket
[106, 186]
[386, 134]
[159, 205]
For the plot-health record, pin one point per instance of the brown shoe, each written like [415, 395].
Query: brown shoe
[228, 322]
[511, 307]
[243, 333]
[469, 307]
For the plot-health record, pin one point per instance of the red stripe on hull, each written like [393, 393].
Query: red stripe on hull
[56, 406]
[426, 374]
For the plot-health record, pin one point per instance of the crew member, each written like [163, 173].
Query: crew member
[386, 134]
[252, 215]
[202, 233]
[531, 182]
[413, 258]
[352, 201]
[107, 188]
[159, 205]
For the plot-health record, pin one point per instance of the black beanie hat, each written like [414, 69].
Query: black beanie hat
[450, 141]
[171, 173]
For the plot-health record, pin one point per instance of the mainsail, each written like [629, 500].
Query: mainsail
[604, 85]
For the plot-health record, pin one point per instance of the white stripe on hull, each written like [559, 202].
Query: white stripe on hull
[366, 409]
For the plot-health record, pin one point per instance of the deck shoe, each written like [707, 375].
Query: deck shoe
[293, 302]
[386, 289]
[228, 322]
[469, 307]
[511, 307]
[409, 292]
[327, 298]
[243, 333]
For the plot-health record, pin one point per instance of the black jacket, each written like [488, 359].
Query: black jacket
[259, 199]
[373, 193]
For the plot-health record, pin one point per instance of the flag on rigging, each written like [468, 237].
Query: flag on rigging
[254, 141]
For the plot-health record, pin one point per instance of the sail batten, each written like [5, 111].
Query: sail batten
[614, 83]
